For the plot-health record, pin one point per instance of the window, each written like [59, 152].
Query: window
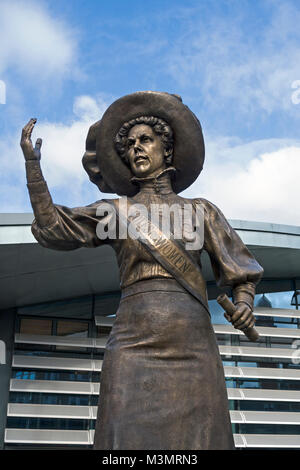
[103, 331]
[73, 329]
[36, 326]
[275, 299]
[217, 313]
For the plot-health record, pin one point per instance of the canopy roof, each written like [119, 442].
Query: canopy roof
[31, 274]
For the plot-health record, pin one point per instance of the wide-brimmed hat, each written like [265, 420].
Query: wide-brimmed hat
[188, 151]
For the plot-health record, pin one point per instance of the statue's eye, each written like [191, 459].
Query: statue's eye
[130, 143]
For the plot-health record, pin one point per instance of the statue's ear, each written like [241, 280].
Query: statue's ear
[90, 163]
[168, 156]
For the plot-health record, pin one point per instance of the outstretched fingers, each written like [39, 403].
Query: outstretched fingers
[27, 129]
[30, 152]
[26, 132]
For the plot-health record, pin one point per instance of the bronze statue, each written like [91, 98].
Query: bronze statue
[162, 381]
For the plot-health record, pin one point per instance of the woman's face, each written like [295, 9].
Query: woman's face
[145, 151]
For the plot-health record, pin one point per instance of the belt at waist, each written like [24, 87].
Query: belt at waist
[151, 285]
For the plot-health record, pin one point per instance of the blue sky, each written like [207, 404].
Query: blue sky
[233, 62]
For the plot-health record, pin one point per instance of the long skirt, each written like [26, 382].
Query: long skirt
[162, 380]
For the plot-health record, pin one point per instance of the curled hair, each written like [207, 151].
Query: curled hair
[160, 128]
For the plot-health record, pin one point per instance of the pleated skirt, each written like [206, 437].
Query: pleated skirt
[162, 380]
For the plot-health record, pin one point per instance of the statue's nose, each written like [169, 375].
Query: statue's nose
[137, 146]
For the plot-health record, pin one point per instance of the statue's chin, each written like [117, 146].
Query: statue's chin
[145, 171]
[142, 170]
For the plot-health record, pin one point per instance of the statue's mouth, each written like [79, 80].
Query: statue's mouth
[140, 158]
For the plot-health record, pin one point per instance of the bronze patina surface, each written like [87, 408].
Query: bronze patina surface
[162, 381]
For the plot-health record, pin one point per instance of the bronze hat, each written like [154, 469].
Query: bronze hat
[113, 175]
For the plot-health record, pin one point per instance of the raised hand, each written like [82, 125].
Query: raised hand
[30, 152]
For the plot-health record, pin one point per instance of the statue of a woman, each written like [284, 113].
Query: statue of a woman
[162, 381]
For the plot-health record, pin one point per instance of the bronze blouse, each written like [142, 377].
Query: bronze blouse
[72, 228]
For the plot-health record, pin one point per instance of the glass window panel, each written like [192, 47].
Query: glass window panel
[286, 324]
[252, 405]
[268, 384]
[24, 397]
[103, 331]
[229, 363]
[277, 299]
[248, 383]
[60, 399]
[247, 364]
[268, 429]
[226, 340]
[232, 404]
[24, 374]
[285, 320]
[72, 328]
[81, 376]
[32, 347]
[230, 383]
[47, 423]
[35, 326]
[217, 313]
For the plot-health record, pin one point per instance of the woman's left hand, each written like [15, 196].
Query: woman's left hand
[242, 318]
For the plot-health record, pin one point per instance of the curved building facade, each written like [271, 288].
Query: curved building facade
[56, 311]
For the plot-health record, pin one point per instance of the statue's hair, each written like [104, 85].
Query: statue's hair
[160, 128]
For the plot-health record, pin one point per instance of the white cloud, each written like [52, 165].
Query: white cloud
[255, 181]
[87, 108]
[34, 42]
[62, 151]
[64, 144]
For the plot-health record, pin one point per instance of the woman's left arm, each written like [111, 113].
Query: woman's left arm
[233, 264]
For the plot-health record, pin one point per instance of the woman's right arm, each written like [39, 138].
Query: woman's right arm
[44, 210]
[55, 226]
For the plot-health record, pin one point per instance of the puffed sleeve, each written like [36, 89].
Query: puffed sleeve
[63, 228]
[232, 263]
[73, 228]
